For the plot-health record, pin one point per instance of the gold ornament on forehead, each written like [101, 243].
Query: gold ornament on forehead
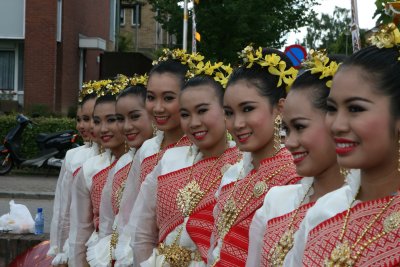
[188, 197]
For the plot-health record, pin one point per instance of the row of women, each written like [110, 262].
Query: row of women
[186, 195]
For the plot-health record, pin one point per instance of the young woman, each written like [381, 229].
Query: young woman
[185, 180]
[135, 124]
[364, 117]
[74, 160]
[313, 150]
[86, 194]
[252, 104]
[165, 81]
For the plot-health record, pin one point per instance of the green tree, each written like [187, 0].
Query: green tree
[380, 13]
[226, 26]
[331, 32]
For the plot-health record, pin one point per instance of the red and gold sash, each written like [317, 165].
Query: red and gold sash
[118, 186]
[384, 251]
[150, 162]
[277, 227]
[236, 242]
[169, 215]
[98, 182]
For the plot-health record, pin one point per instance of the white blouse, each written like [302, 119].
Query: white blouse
[82, 225]
[326, 207]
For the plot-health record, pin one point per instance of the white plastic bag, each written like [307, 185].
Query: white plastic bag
[18, 221]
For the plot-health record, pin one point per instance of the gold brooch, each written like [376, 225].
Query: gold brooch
[188, 197]
[340, 256]
[392, 222]
[259, 189]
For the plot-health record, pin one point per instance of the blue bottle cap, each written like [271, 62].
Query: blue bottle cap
[39, 209]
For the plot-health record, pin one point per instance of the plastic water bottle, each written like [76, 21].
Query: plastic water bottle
[39, 222]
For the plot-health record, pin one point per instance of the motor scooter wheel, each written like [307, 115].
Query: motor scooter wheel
[6, 163]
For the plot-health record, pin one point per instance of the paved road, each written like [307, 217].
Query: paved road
[32, 191]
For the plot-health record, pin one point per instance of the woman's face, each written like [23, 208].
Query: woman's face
[79, 126]
[249, 117]
[86, 129]
[133, 120]
[162, 101]
[307, 136]
[202, 119]
[106, 127]
[360, 120]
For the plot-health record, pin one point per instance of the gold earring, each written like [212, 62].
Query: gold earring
[101, 149]
[228, 136]
[277, 133]
[154, 129]
[126, 147]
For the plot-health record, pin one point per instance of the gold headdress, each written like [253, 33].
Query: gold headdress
[272, 62]
[387, 36]
[97, 87]
[319, 63]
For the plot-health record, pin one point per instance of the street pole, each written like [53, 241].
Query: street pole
[137, 26]
[194, 30]
[185, 25]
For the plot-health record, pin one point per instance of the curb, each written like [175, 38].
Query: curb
[27, 195]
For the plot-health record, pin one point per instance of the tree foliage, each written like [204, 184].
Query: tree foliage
[226, 26]
[380, 13]
[331, 32]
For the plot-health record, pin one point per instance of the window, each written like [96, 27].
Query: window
[59, 20]
[122, 17]
[136, 9]
[7, 70]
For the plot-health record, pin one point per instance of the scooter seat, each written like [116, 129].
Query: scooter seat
[43, 137]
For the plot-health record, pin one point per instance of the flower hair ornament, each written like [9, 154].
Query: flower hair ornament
[319, 63]
[93, 87]
[181, 56]
[139, 80]
[272, 62]
[218, 71]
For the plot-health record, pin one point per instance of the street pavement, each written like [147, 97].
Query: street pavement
[31, 191]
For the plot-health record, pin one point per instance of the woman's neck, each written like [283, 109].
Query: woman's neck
[216, 150]
[329, 180]
[171, 137]
[378, 183]
[267, 151]
[118, 151]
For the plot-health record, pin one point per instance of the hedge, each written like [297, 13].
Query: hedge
[43, 125]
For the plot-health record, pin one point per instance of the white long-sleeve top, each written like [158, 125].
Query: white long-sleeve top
[326, 207]
[82, 224]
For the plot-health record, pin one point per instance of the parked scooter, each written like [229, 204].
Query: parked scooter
[52, 147]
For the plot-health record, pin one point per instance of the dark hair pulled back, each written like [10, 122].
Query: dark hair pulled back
[208, 81]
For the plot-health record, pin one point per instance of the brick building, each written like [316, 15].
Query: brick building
[138, 24]
[48, 47]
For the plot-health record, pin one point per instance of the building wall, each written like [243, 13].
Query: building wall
[51, 68]
[151, 35]
[40, 53]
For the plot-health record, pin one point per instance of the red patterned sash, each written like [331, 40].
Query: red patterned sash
[385, 251]
[277, 227]
[118, 186]
[235, 245]
[98, 182]
[150, 162]
[169, 215]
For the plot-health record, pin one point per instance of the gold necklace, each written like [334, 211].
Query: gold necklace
[342, 254]
[230, 212]
[277, 255]
[189, 196]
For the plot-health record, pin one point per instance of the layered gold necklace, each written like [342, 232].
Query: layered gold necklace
[342, 254]
[278, 253]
